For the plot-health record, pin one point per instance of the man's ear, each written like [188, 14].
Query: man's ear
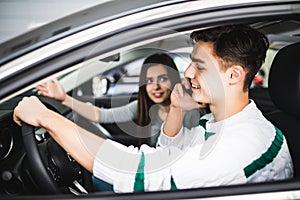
[235, 74]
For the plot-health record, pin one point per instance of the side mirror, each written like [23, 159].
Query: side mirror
[99, 86]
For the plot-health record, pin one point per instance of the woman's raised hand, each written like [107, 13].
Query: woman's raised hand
[52, 89]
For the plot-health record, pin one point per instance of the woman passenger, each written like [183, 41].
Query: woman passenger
[158, 76]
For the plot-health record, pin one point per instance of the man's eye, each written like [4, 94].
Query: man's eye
[199, 67]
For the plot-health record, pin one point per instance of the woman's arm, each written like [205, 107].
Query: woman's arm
[54, 89]
[86, 110]
[124, 113]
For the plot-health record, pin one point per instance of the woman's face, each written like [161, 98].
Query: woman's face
[158, 84]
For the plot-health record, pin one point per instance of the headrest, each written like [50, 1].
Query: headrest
[284, 79]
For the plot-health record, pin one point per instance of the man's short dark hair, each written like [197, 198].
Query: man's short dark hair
[237, 44]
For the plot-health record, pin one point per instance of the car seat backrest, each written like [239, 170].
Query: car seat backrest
[284, 89]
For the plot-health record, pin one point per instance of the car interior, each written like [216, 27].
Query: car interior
[284, 89]
[278, 98]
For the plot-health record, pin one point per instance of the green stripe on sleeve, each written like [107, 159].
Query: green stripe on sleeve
[266, 157]
[202, 122]
[140, 176]
[208, 134]
[173, 185]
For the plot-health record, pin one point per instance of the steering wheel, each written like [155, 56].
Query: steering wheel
[35, 162]
[52, 176]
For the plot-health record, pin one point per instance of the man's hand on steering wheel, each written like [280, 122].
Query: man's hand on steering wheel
[25, 109]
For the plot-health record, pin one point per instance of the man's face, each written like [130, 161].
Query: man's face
[205, 75]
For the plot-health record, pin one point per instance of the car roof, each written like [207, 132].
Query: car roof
[104, 12]
[78, 21]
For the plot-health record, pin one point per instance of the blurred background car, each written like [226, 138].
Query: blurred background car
[96, 54]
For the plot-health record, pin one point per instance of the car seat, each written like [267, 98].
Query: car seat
[284, 89]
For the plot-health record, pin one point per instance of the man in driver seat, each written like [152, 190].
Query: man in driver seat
[234, 144]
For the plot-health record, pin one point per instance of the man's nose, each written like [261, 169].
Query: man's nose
[190, 72]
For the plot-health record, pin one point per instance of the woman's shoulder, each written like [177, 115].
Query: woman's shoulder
[132, 105]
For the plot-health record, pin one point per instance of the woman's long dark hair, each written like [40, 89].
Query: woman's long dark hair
[144, 102]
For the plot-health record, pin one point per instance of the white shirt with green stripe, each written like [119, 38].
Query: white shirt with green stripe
[241, 149]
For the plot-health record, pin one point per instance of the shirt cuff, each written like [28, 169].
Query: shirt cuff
[165, 140]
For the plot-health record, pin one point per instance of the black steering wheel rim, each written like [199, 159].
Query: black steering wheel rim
[35, 162]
